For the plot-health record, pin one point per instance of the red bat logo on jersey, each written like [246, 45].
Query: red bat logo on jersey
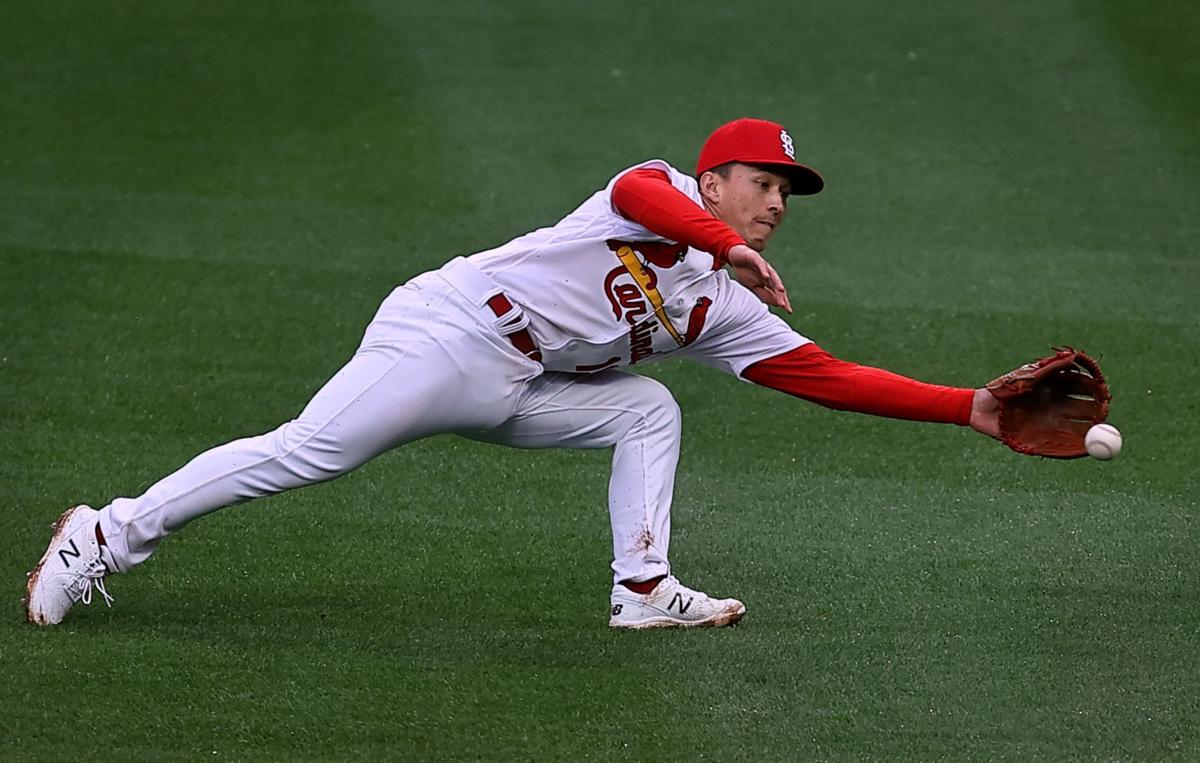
[629, 304]
[627, 296]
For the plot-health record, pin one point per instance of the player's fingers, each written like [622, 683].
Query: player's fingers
[767, 296]
[753, 275]
[758, 276]
[776, 285]
[781, 299]
[786, 304]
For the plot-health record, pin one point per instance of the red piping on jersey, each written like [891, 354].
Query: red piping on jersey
[810, 373]
[647, 197]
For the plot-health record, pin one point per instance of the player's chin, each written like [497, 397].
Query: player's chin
[758, 238]
[758, 243]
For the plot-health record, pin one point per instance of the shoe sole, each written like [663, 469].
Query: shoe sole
[59, 528]
[719, 620]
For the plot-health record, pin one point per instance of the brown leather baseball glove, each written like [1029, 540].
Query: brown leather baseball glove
[1047, 406]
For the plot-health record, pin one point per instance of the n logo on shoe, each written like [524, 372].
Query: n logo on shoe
[64, 553]
[677, 602]
[616, 610]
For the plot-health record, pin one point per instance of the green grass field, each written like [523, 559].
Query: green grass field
[202, 204]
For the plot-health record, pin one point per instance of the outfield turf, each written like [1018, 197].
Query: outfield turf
[202, 204]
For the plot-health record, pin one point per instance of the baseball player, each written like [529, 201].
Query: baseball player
[526, 345]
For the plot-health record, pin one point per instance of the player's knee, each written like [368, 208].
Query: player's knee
[310, 454]
[659, 406]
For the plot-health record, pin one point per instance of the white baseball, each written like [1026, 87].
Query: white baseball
[1103, 441]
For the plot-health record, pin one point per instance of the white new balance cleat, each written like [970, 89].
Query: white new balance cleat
[68, 571]
[671, 605]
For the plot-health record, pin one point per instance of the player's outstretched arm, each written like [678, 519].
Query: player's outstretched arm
[810, 373]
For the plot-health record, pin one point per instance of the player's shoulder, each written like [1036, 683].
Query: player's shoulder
[598, 218]
[681, 180]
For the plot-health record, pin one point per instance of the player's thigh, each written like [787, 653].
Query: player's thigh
[587, 411]
[389, 395]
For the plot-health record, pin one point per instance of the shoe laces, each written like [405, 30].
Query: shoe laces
[89, 578]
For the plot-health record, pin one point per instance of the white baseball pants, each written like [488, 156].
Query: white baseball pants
[433, 360]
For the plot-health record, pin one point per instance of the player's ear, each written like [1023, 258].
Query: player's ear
[710, 186]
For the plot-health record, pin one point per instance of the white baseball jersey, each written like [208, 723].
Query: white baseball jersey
[601, 291]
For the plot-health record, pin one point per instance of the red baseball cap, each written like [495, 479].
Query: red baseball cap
[757, 141]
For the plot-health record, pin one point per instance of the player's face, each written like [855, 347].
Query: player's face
[751, 200]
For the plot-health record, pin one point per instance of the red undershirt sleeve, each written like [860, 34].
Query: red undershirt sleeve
[810, 373]
[647, 197]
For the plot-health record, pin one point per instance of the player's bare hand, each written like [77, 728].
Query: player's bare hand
[985, 413]
[756, 274]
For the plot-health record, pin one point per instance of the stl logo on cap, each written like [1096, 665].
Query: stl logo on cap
[789, 147]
